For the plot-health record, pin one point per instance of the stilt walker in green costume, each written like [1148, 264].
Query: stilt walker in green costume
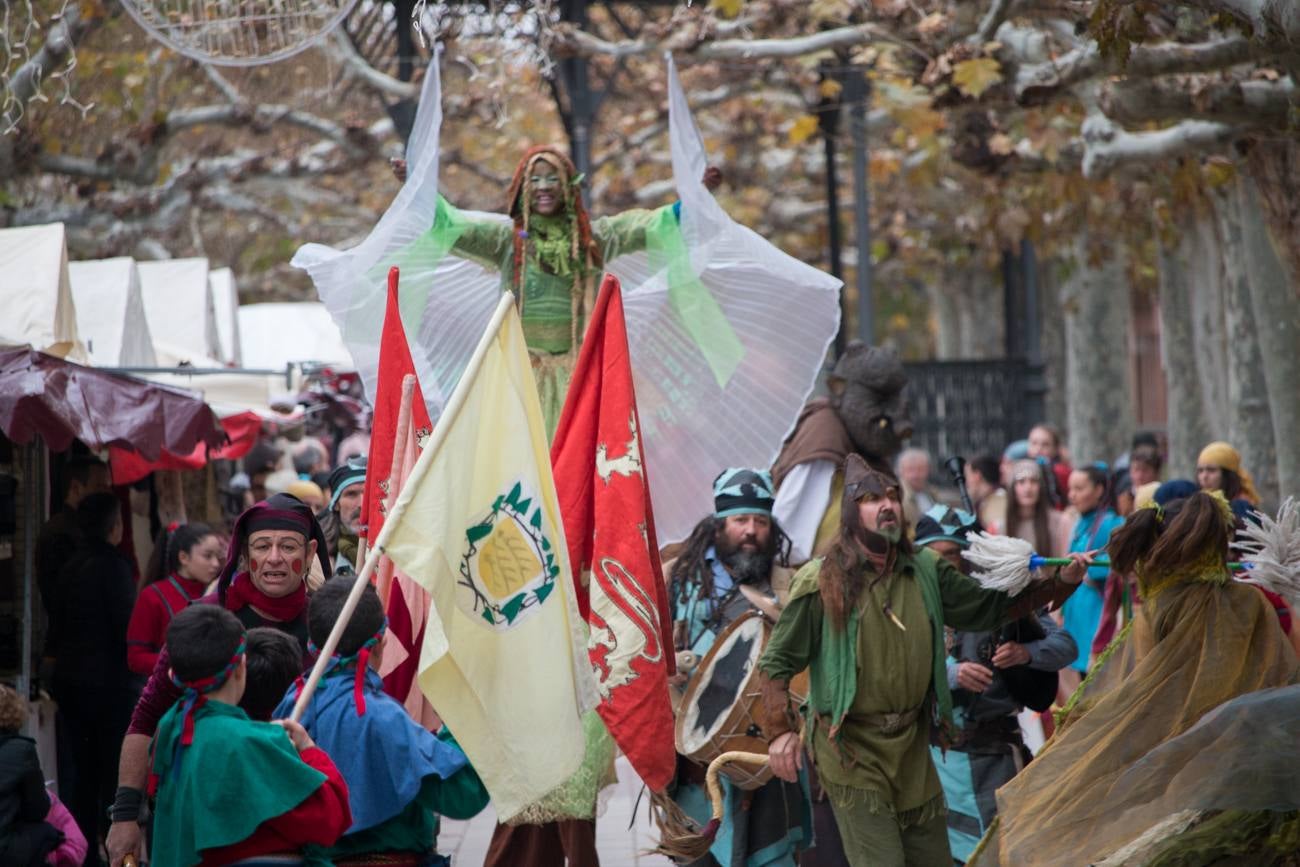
[551, 256]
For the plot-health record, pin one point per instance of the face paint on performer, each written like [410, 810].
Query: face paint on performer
[275, 560]
[545, 187]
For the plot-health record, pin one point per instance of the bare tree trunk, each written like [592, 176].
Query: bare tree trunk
[1052, 324]
[1277, 318]
[1250, 426]
[1188, 427]
[1096, 305]
[1275, 168]
[1205, 279]
[947, 318]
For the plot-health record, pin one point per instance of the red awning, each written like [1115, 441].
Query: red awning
[59, 401]
[243, 430]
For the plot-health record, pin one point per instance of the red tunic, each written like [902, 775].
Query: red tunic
[154, 609]
[319, 820]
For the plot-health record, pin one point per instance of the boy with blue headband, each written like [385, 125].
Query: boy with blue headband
[230, 789]
[401, 776]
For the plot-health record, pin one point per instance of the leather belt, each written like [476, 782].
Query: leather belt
[893, 722]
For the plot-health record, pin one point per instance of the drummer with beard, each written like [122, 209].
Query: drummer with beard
[867, 622]
[734, 562]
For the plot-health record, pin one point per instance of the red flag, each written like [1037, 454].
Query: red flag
[605, 502]
[401, 423]
[395, 363]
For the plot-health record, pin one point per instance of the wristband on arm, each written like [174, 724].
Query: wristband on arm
[128, 805]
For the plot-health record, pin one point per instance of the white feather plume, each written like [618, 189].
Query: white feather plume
[1272, 550]
[1002, 562]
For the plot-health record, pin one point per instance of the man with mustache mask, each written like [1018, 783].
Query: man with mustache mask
[867, 622]
[734, 562]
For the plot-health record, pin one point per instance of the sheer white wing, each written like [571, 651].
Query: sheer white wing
[443, 324]
[783, 313]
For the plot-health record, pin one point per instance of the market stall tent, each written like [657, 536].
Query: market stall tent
[274, 335]
[225, 301]
[110, 312]
[182, 317]
[36, 294]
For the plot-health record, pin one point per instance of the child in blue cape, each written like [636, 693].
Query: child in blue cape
[400, 776]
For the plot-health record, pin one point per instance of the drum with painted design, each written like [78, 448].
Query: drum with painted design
[720, 710]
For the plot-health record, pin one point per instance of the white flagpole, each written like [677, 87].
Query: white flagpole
[444, 424]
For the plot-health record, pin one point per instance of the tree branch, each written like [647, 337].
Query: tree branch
[696, 48]
[1039, 82]
[992, 20]
[262, 117]
[1247, 103]
[346, 53]
[1272, 20]
[1107, 147]
[26, 81]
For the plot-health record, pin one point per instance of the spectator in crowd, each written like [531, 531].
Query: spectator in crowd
[92, 683]
[1030, 514]
[1143, 468]
[914, 473]
[274, 661]
[341, 522]
[309, 458]
[1045, 445]
[1218, 468]
[26, 839]
[993, 675]
[59, 538]
[1089, 494]
[1017, 451]
[356, 445]
[309, 492]
[983, 483]
[262, 460]
[186, 560]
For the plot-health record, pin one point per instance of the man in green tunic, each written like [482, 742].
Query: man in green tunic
[867, 622]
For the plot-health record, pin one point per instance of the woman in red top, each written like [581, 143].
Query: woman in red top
[186, 560]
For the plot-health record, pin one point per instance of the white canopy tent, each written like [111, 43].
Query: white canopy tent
[225, 301]
[110, 312]
[36, 294]
[274, 335]
[182, 317]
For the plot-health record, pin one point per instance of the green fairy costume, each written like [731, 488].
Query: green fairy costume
[551, 262]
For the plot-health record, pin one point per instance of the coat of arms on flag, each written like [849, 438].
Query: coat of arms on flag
[508, 568]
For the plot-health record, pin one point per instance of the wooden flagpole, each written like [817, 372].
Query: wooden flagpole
[440, 430]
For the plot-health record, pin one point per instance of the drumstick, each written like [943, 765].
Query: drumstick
[715, 789]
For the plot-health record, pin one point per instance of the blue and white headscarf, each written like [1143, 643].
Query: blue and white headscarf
[742, 491]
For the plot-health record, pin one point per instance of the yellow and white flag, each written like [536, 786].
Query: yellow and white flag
[477, 524]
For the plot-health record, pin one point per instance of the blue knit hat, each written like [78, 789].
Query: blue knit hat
[742, 491]
[345, 476]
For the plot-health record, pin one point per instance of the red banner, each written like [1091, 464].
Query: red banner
[395, 363]
[605, 503]
[395, 438]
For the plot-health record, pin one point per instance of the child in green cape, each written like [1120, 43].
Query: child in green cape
[230, 789]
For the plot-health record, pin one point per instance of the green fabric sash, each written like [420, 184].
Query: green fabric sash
[236, 775]
[833, 680]
[700, 313]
